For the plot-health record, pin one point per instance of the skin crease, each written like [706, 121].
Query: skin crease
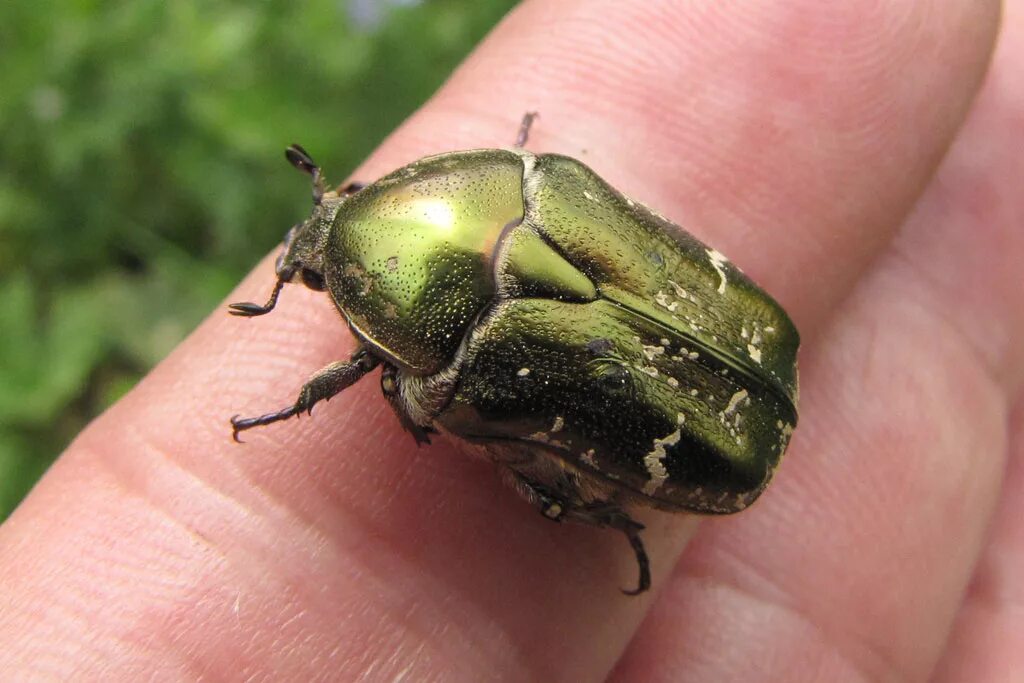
[793, 136]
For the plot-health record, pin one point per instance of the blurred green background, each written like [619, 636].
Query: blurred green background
[142, 174]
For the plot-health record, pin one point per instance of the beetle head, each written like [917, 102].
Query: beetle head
[302, 255]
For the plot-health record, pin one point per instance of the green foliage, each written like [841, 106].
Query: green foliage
[141, 173]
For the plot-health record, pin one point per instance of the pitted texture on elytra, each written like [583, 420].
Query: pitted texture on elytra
[644, 262]
[716, 436]
[409, 258]
[668, 372]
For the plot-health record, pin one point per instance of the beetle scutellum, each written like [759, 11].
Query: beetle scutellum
[602, 357]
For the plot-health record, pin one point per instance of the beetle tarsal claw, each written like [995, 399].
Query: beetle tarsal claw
[247, 309]
[241, 424]
[234, 429]
[644, 582]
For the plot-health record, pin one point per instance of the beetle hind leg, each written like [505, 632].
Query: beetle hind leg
[558, 507]
[329, 381]
[612, 516]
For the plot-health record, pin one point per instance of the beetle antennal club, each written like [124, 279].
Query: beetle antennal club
[300, 159]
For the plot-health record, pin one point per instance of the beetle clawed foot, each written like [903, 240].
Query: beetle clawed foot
[241, 424]
[644, 582]
[247, 309]
[614, 517]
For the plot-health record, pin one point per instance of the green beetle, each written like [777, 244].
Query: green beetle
[604, 358]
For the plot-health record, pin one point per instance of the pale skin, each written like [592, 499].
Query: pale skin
[802, 139]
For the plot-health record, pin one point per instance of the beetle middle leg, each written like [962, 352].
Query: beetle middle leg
[557, 507]
[329, 381]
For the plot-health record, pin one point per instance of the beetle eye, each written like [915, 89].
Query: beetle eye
[313, 279]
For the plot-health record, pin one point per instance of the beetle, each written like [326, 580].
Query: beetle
[605, 359]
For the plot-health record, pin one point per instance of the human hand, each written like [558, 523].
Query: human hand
[793, 137]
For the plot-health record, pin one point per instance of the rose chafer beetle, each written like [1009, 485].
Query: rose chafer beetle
[601, 356]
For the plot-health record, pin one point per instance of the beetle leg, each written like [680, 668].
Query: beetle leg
[601, 514]
[389, 385]
[323, 385]
[524, 128]
[247, 309]
[632, 528]
[610, 515]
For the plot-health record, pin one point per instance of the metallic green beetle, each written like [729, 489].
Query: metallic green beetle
[604, 358]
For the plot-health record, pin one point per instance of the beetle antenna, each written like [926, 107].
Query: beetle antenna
[247, 309]
[300, 159]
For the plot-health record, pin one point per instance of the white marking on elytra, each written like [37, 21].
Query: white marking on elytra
[718, 262]
[673, 382]
[786, 431]
[662, 299]
[523, 372]
[589, 196]
[664, 342]
[649, 370]
[588, 458]
[545, 437]
[731, 417]
[653, 351]
[755, 353]
[653, 460]
[682, 293]
[754, 347]
[734, 402]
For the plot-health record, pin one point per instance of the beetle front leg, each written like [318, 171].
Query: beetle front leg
[329, 381]
[389, 385]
